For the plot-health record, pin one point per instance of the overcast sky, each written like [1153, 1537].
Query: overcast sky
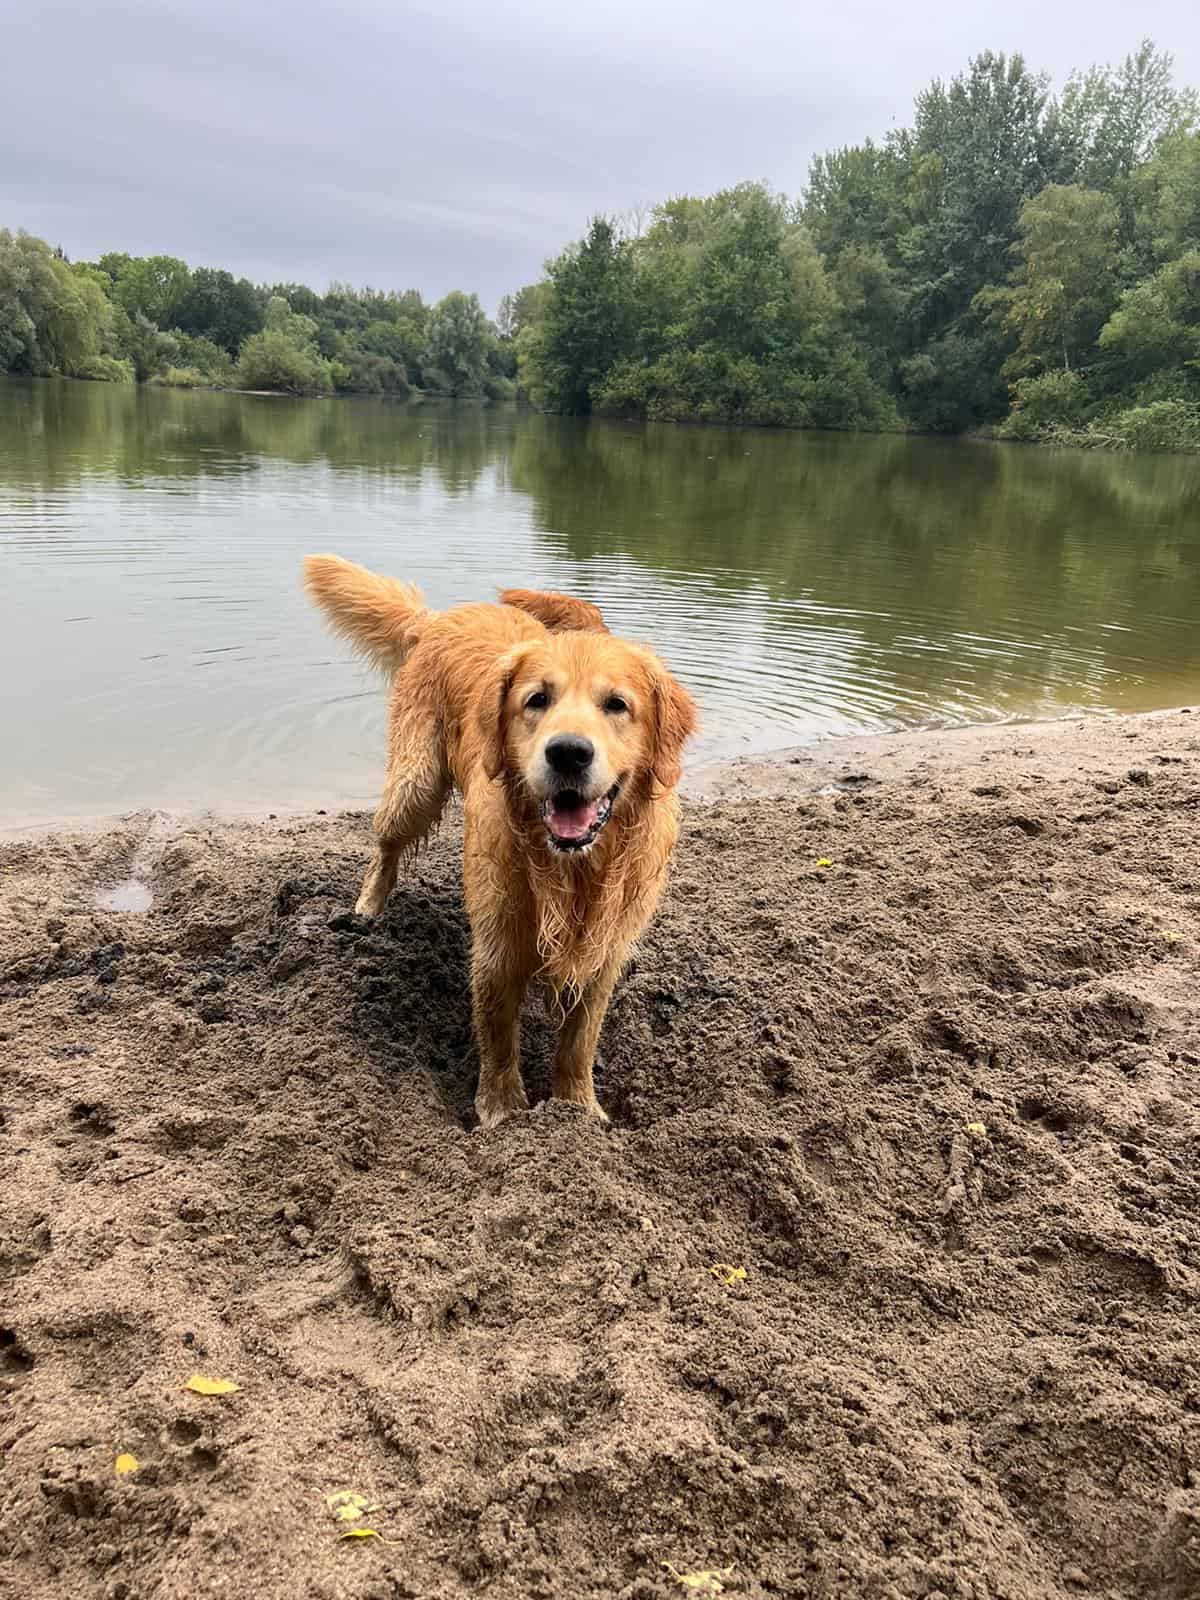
[406, 143]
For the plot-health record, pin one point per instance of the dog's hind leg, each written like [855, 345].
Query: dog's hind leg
[414, 795]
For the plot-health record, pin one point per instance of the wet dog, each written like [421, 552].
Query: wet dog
[565, 744]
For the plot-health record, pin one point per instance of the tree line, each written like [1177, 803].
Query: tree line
[1013, 260]
[157, 320]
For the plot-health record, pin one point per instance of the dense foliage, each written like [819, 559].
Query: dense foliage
[156, 320]
[1012, 259]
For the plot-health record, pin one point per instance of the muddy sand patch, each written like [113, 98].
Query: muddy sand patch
[934, 1102]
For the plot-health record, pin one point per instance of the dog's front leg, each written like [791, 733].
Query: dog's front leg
[577, 1042]
[496, 999]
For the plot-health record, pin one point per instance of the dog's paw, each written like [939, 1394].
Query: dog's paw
[498, 1108]
[494, 1117]
[590, 1105]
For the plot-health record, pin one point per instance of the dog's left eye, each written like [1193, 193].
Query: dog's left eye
[614, 705]
[537, 701]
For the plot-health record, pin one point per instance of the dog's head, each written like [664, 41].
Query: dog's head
[583, 722]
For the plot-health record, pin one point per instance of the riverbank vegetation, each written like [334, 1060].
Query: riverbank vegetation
[156, 320]
[1014, 261]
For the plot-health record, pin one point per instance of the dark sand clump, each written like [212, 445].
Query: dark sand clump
[937, 1099]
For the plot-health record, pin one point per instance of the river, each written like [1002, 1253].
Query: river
[156, 650]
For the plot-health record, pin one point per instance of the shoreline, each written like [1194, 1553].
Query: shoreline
[1053, 744]
[827, 763]
[1060, 439]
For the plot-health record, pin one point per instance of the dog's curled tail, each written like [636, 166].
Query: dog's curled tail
[375, 614]
[561, 613]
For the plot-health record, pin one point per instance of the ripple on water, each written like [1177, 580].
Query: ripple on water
[801, 585]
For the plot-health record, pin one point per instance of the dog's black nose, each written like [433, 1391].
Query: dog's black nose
[569, 753]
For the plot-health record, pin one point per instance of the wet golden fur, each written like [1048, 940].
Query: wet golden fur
[459, 719]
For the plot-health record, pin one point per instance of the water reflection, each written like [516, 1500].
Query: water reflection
[802, 584]
[885, 580]
[56, 434]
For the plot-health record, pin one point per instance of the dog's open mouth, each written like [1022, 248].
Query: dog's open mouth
[572, 822]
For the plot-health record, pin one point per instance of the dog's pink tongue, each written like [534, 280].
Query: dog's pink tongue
[574, 822]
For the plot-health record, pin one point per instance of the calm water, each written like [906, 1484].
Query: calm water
[155, 649]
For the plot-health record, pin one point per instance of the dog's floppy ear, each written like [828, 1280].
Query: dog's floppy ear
[561, 613]
[493, 709]
[674, 724]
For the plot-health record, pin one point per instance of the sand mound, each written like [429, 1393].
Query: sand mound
[937, 1099]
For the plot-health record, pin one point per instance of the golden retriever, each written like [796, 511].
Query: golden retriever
[565, 744]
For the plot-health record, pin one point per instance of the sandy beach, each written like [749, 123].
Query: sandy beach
[883, 1283]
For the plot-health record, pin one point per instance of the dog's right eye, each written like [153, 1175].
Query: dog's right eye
[537, 701]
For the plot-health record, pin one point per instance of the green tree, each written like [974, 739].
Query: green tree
[270, 360]
[743, 296]
[152, 286]
[54, 318]
[1165, 196]
[871, 293]
[279, 317]
[953, 384]
[1045, 405]
[1113, 118]
[982, 145]
[196, 360]
[284, 356]
[524, 309]
[360, 371]
[112, 265]
[457, 345]
[409, 313]
[307, 302]
[1064, 287]
[732, 316]
[147, 348]
[28, 293]
[856, 199]
[378, 339]
[1155, 330]
[215, 305]
[586, 325]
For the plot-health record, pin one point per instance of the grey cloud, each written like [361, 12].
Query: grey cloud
[459, 146]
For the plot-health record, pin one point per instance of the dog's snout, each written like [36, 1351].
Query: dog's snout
[569, 753]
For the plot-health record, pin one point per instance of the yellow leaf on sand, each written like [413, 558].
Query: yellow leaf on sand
[365, 1533]
[1172, 937]
[824, 861]
[702, 1582]
[978, 1129]
[126, 1464]
[199, 1384]
[726, 1274]
[347, 1506]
